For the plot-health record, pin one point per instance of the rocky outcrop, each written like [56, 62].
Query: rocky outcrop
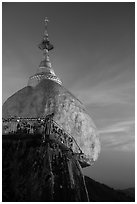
[50, 97]
[37, 170]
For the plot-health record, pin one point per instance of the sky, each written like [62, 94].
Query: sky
[94, 57]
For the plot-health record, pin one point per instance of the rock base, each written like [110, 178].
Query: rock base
[37, 170]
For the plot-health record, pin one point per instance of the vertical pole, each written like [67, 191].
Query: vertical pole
[84, 184]
[49, 152]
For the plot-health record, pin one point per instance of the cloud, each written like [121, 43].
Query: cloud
[123, 126]
[119, 136]
[107, 83]
[107, 94]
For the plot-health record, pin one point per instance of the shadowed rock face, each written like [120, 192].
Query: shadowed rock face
[49, 97]
[35, 171]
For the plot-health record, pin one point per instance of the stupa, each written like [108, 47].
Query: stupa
[48, 137]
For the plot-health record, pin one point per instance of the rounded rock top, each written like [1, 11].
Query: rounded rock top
[50, 97]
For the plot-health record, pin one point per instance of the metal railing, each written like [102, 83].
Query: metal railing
[45, 126]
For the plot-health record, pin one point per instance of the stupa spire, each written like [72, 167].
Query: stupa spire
[45, 70]
[45, 46]
[46, 26]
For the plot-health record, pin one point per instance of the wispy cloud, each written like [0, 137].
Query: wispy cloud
[119, 136]
[107, 94]
[107, 84]
[123, 126]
